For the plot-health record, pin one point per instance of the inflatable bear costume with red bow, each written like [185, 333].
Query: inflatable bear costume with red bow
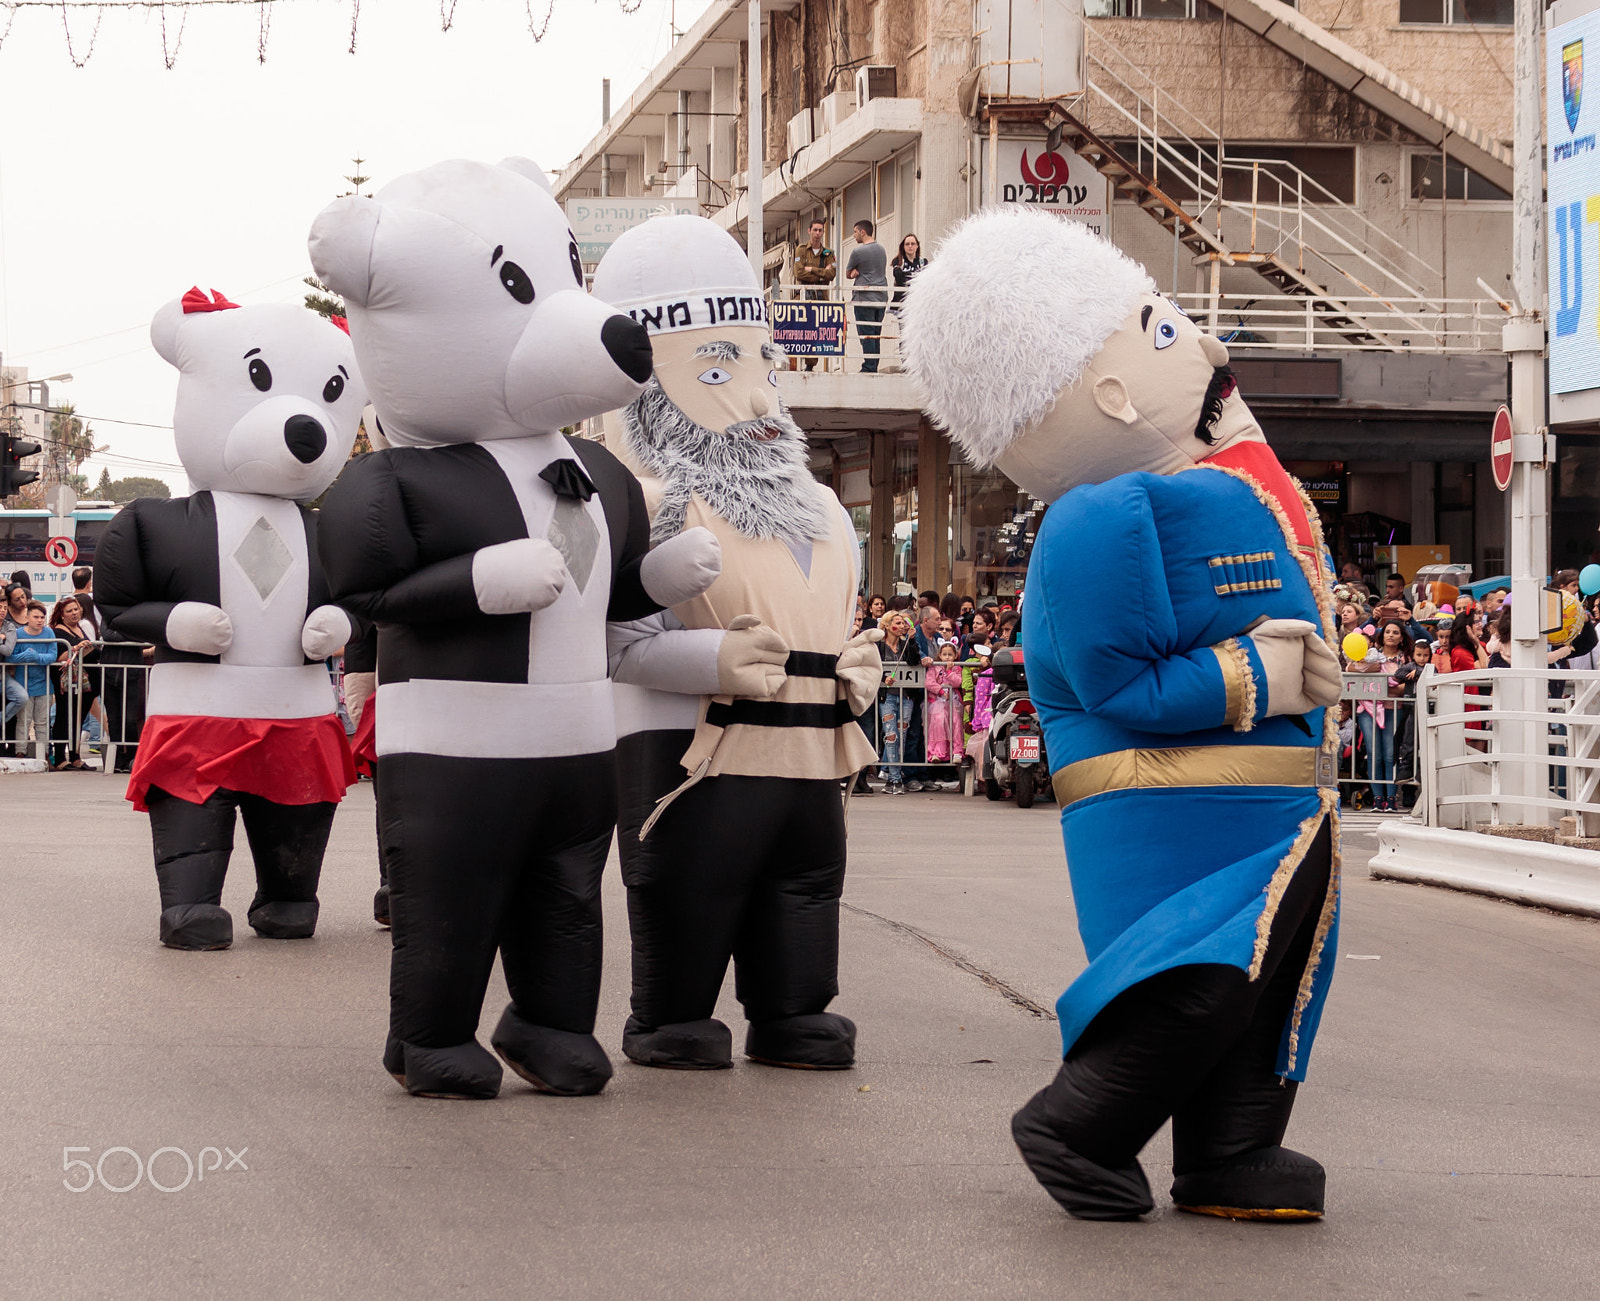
[228, 586]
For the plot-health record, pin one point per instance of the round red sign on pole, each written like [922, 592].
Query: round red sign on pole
[61, 552]
[1500, 448]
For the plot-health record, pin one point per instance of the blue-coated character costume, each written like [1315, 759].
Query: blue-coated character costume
[1186, 722]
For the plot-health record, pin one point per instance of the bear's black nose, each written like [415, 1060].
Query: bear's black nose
[628, 342]
[305, 437]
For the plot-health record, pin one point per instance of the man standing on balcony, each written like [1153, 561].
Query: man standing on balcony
[815, 266]
[869, 268]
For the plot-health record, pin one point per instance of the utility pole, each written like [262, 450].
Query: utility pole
[755, 169]
[1524, 342]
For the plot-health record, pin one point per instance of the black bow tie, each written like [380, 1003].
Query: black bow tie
[568, 480]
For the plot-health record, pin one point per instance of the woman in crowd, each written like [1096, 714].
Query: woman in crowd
[1376, 718]
[907, 262]
[895, 706]
[72, 682]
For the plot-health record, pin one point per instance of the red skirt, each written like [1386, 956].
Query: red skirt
[364, 744]
[285, 760]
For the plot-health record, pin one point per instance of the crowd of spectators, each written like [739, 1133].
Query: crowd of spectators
[47, 669]
[925, 719]
[1405, 633]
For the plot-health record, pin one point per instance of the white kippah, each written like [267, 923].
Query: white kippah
[680, 273]
[1011, 308]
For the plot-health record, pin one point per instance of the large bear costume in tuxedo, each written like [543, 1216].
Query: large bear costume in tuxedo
[738, 707]
[227, 584]
[490, 551]
[1187, 724]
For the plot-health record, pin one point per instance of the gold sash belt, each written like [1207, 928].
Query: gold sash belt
[1194, 765]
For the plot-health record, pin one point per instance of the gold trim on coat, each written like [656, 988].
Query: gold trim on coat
[1188, 765]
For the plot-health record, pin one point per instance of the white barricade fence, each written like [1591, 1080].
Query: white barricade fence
[1509, 746]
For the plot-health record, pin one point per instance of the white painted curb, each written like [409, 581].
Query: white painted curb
[1551, 876]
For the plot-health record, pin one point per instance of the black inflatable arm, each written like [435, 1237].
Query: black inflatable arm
[121, 582]
[370, 554]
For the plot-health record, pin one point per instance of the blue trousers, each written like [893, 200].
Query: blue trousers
[1380, 753]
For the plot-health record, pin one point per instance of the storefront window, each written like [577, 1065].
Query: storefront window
[903, 566]
[1575, 507]
[993, 523]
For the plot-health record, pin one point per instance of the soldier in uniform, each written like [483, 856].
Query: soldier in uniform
[815, 267]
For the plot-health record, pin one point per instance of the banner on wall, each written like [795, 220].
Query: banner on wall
[1054, 180]
[1572, 119]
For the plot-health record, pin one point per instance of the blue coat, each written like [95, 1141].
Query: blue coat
[1184, 809]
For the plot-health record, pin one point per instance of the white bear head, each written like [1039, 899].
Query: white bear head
[269, 398]
[467, 306]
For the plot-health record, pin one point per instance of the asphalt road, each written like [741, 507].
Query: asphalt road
[1453, 1099]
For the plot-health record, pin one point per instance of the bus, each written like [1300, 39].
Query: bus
[24, 533]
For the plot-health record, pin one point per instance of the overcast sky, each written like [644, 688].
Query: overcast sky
[123, 183]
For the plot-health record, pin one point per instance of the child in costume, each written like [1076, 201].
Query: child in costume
[944, 712]
[1186, 729]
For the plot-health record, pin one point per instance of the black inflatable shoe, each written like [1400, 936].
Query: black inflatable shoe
[686, 1046]
[823, 1041]
[380, 907]
[553, 1061]
[466, 1072]
[273, 919]
[1085, 1190]
[1270, 1183]
[196, 926]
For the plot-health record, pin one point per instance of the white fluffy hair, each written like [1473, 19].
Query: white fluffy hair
[1009, 311]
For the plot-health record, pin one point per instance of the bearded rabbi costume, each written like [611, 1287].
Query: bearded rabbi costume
[490, 551]
[1186, 725]
[736, 709]
[226, 583]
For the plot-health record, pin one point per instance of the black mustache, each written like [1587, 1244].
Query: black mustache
[1218, 391]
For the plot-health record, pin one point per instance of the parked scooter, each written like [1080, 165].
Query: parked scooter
[1013, 761]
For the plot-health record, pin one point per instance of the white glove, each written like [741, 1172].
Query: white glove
[751, 659]
[1301, 669]
[327, 628]
[682, 567]
[199, 629]
[517, 577]
[860, 668]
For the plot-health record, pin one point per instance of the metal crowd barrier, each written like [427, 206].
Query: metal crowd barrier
[1360, 769]
[905, 686]
[111, 691]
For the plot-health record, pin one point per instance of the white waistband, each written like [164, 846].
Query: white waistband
[639, 709]
[495, 720]
[240, 691]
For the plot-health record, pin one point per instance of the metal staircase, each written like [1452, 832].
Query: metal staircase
[1265, 214]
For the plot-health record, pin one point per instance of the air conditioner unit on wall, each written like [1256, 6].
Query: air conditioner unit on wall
[799, 131]
[876, 81]
[835, 108]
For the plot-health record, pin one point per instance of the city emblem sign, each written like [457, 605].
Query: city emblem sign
[1572, 82]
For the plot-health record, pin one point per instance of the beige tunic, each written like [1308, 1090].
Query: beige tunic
[807, 731]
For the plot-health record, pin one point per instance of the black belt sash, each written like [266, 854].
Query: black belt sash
[781, 713]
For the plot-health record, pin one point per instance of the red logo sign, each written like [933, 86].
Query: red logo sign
[1500, 448]
[1049, 168]
[61, 552]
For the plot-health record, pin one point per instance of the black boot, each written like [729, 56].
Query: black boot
[1086, 1191]
[553, 1061]
[688, 1046]
[1270, 1183]
[380, 906]
[824, 1041]
[277, 919]
[465, 1072]
[196, 926]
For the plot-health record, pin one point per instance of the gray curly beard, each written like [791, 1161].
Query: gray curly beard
[761, 485]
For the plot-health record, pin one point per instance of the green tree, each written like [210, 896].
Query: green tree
[73, 440]
[123, 491]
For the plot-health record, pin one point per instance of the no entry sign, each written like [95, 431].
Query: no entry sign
[1500, 448]
[61, 552]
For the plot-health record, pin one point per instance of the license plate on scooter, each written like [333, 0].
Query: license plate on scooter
[1024, 749]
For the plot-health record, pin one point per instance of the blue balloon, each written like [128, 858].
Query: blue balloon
[1589, 580]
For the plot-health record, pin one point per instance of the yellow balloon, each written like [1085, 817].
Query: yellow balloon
[1356, 646]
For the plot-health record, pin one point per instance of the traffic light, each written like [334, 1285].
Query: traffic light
[12, 452]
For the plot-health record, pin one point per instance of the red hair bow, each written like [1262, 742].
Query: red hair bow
[196, 301]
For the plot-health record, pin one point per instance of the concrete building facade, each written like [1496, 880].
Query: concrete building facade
[1326, 188]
